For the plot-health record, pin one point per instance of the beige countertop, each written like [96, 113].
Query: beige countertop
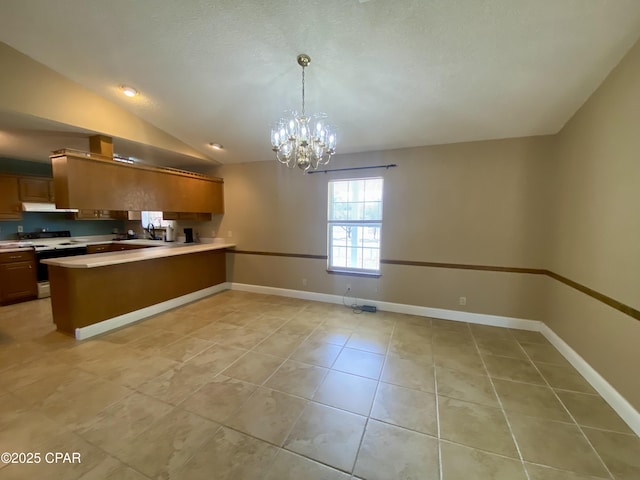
[14, 246]
[158, 250]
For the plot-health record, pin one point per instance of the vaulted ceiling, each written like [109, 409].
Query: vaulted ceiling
[389, 74]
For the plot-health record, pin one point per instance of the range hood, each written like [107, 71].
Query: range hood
[45, 208]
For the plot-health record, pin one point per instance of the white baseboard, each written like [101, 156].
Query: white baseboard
[131, 317]
[622, 407]
[628, 413]
[455, 315]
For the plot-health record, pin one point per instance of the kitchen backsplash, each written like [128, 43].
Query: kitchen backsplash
[32, 221]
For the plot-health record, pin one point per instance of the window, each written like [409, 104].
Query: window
[154, 218]
[354, 225]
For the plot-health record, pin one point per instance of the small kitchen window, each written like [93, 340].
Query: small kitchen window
[354, 225]
[155, 219]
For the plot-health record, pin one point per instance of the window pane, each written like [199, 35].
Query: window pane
[354, 258]
[356, 190]
[339, 257]
[338, 235]
[339, 211]
[371, 258]
[340, 191]
[373, 190]
[356, 211]
[372, 211]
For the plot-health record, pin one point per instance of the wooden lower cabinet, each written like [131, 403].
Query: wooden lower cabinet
[18, 281]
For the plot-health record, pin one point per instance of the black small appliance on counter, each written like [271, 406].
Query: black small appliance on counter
[188, 235]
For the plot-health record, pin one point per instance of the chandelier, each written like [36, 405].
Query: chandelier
[300, 140]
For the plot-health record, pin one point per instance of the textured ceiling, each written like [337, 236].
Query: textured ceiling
[389, 74]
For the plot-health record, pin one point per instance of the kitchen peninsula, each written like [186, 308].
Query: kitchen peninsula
[91, 294]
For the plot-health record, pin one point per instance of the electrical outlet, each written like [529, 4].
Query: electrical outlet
[462, 301]
[349, 286]
[304, 282]
[20, 229]
[229, 234]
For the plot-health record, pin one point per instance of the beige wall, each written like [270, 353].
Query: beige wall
[481, 203]
[595, 231]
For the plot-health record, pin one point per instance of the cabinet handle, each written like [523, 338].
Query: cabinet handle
[13, 257]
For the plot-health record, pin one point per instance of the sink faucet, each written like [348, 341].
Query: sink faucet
[152, 231]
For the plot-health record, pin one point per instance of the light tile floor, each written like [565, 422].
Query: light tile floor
[246, 386]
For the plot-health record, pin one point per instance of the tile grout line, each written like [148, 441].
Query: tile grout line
[504, 413]
[288, 357]
[437, 395]
[373, 401]
[570, 415]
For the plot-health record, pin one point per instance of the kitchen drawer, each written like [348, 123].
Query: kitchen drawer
[10, 257]
[99, 248]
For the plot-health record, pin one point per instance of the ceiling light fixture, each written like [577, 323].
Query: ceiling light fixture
[216, 146]
[298, 140]
[128, 91]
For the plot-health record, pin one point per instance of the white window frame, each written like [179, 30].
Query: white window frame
[335, 266]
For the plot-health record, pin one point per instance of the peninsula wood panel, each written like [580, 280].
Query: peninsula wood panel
[96, 184]
[84, 296]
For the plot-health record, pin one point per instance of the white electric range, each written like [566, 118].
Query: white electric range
[50, 244]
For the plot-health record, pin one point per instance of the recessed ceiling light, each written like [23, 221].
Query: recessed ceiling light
[128, 91]
[216, 146]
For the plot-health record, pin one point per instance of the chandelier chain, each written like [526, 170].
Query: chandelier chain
[303, 91]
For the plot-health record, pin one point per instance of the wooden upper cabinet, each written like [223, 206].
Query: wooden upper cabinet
[10, 208]
[36, 189]
[193, 216]
[95, 182]
[86, 214]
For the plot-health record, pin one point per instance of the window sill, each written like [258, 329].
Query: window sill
[355, 274]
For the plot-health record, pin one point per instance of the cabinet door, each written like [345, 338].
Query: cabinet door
[195, 216]
[83, 214]
[116, 214]
[192, 216]
[17, 281]
[10, 208]
[33, 189]
[170, 215]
